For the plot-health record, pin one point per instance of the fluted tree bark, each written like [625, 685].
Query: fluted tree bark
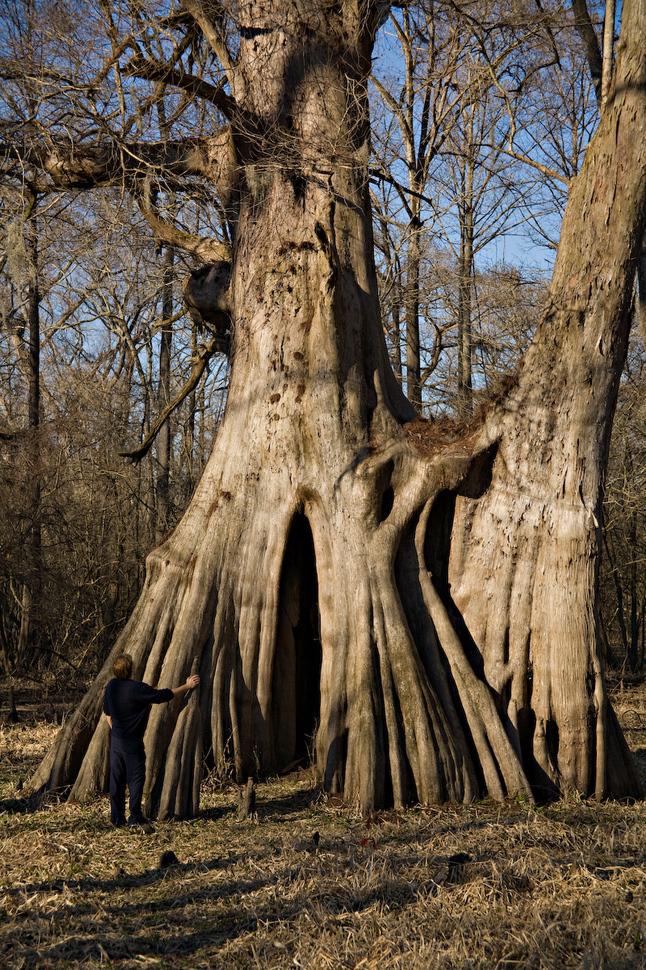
[422, 600]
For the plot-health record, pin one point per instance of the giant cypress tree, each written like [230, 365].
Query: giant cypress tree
[422, 598]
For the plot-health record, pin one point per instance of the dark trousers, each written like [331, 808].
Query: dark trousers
[127, 766]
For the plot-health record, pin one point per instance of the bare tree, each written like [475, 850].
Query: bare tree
[426, 595]
[444, 177]
[419, 113]
[478, 203]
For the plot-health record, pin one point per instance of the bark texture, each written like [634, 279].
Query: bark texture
[418, 602]
[524, 572]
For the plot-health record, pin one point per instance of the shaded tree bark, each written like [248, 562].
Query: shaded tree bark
[449, 575]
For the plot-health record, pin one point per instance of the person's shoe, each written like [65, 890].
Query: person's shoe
[119, 824]
[141, 823]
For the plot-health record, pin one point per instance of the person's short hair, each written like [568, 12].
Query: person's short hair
[123, 667]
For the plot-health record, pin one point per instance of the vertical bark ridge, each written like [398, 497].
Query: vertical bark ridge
[364, 781]
[181, 780]
[496, 756]
[62, 764]
[467, 782]
[436, 763]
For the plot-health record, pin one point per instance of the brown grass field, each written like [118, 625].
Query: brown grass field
[558, 886]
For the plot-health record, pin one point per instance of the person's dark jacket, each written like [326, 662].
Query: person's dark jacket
[127, 702]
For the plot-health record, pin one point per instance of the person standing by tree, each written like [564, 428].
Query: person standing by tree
[126, 704]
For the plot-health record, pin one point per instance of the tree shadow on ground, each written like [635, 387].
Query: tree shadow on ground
[238, 919]
[21, 806]
[122, 881]
[281, 805]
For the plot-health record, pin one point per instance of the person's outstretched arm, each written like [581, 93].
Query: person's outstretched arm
[191, 682]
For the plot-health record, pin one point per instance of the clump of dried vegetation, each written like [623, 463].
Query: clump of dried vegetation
[308, 883]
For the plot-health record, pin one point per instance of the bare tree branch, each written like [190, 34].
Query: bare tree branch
[543, 169]
[115, 164]
[214, 345]
[590, 43]
[149, 71]
[168, 232]
[213, 36]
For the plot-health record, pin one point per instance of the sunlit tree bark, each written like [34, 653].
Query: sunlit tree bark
[422, 600]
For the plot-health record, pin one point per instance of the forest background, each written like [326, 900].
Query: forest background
[472, 156]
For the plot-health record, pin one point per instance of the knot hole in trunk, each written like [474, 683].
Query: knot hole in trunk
[385, 490]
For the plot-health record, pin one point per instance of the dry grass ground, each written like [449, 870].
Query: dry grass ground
[554, 887]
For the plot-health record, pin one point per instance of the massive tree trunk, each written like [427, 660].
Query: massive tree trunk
[421, 601]
[529, 598]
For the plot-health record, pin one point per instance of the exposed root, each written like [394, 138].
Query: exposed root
[503, 773]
